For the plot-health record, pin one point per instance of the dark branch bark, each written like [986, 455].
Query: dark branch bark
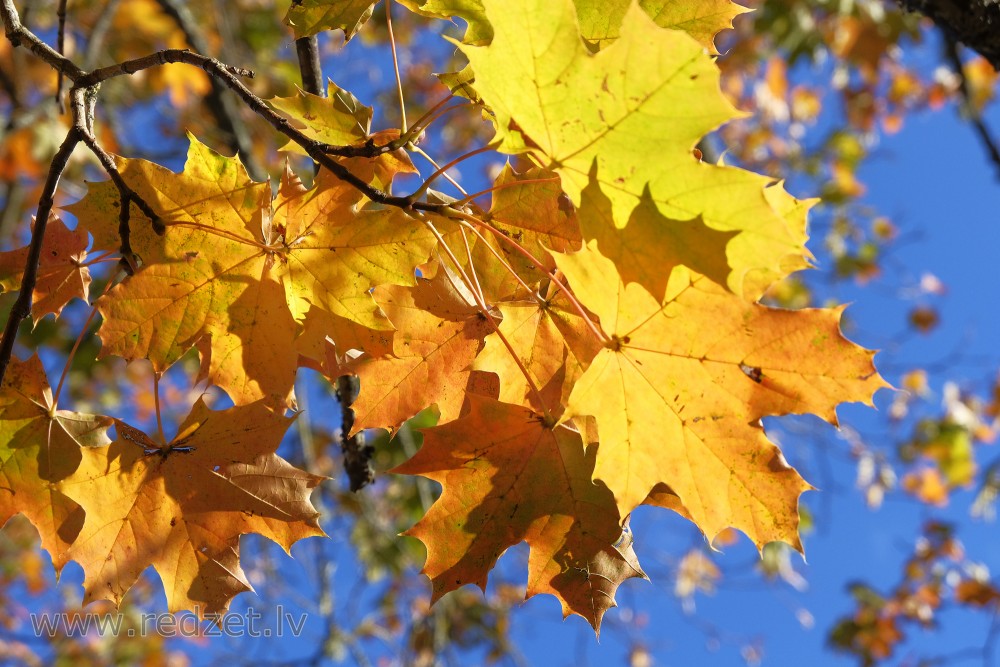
[61, 48]
[357, 453]
[975, 23]
[18, 35]
[227, 75]
[307, 49]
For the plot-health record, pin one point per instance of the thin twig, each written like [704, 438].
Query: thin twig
[395, 67]
[419, 192]
[128, 196]
[61, 48]
[22, 306]
[95, 44]
[18, 35]
[156, 403]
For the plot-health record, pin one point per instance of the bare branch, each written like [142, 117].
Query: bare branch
[61, 48]
[307, 50]
[357, 453]
[21, 36]
[127, 196]
[165, 57]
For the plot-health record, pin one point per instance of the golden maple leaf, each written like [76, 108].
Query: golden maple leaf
[181, 506]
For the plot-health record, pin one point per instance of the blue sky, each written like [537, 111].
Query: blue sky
[934, 181]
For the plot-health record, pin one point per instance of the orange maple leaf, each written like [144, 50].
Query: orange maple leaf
[438, 335]
[237, 274]
[508, 477]
[39, 447]
[181, 506]
[61, 273]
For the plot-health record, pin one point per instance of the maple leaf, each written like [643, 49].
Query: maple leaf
[553, 344]
[438, 334]
[647, 250]
[507, 477]
[471, 11]
[237, 274]
[337, 119]
[653, 89]
[181, 506]
[61, 274]
[536, 203]
[531, 210]
[679, 392]
[40, 447]
[600, 20]
[308, 17]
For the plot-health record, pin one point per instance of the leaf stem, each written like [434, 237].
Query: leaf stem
[422, 153]
[481, 305]
[395, 67]
[472, 266]
[419, 192]
[429, 117]
[598, 333]
[76, 343]
[156, 403]
[502, 261]
[503, 186]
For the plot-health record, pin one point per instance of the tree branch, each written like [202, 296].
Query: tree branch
[307, 50]
[61, 48]
[975, 23]
[22, 306]
[18, 35]
[227, 75]
[357, 454]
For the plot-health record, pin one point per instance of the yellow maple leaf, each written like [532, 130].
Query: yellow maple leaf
[308, 17]
[679, 391]
[631, 113]
[600, 20]
[237, 274]
[552, 343]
